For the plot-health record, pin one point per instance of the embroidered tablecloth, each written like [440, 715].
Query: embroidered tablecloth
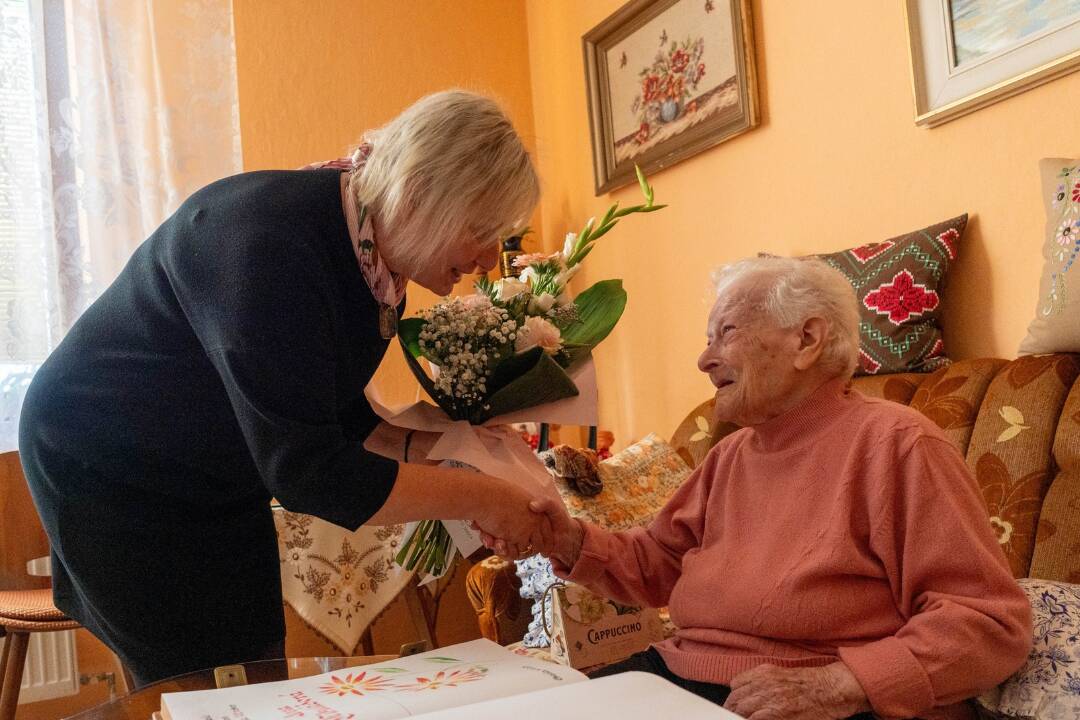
[337, 580]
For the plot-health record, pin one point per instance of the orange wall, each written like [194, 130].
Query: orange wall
[314, 75]
[837, 161]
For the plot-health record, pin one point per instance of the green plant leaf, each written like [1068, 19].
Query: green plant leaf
[409, 335]
[642, 182]
[599, 310]
[409, 338]
[523, 381]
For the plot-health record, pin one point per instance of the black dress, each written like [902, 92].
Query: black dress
[224, 366]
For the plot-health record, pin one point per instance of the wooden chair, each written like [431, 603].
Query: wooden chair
[26, 604]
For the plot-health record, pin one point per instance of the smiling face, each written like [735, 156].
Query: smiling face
[752, 363]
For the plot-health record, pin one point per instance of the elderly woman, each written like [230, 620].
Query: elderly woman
[833, 556]
[226, 365]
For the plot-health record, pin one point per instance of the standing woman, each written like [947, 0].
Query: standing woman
[226, 365]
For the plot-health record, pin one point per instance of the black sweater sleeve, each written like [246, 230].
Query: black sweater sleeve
[266, 309]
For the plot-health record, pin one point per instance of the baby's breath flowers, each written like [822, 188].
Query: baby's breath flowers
[465, 338]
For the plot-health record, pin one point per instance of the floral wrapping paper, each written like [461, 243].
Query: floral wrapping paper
[337, 580]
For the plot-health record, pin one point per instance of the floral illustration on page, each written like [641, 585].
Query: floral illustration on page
[360, 684]
[444, 679]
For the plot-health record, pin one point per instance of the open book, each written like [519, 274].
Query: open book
[478, 680]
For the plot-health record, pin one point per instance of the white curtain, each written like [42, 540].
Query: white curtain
[111, 113]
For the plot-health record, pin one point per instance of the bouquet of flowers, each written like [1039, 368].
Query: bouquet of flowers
[514, 345]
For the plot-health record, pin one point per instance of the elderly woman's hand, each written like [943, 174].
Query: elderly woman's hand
[560, 535]
[768, 692]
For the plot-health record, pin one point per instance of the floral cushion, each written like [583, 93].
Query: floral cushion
[1048, 685]
[637, 482]
[1056, 327]
[899, 285]
[1012, 452]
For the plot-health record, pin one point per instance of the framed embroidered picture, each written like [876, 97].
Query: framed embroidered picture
[667, 79]
[967, 54]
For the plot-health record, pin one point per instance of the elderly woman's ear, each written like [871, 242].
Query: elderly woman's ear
[813, 336]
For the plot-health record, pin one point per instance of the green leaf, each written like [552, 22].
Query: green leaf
[641, 180]
[409, 338]
[601, 232]
[442, 660]
[630, 210]
[599, 310]
[409, 335]
[576, 353]
[583, 254]
[523, 381]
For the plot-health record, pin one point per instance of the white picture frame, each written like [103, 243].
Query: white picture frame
[946, 89]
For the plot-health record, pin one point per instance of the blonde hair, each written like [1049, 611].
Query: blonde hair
[449, 161]
[791, 290]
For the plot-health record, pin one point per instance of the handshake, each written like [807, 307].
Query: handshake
[516, 529]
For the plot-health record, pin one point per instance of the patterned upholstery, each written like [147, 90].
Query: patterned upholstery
[1057, 538]
[951, 397]
[1011, 447]
[1018, 425]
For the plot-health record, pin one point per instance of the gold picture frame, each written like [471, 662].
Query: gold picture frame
[967, 54]
[649, 101]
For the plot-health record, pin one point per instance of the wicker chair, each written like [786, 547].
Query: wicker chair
[26, 604]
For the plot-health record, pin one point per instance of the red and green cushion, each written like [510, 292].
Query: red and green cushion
[899, 284]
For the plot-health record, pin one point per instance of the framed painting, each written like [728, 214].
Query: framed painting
[667, 79]
[967, 54]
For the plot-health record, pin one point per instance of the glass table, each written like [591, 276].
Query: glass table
[142, 703]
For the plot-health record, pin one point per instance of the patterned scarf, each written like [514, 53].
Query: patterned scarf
[386, 286]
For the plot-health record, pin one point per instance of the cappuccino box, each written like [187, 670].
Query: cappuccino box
[589, 630]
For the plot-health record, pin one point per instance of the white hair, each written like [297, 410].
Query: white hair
[789, 291]
[450, 163]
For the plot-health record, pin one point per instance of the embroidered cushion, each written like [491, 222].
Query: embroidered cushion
[899, 285]
[1048, 685]
[637, 482]
[1056, 327]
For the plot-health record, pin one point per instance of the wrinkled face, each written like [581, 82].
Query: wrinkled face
[472, 251]
[749, 360]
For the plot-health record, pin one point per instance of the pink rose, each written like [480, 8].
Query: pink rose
[533, 259]
[538, 332]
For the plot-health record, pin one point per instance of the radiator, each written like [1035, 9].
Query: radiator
[52, 668]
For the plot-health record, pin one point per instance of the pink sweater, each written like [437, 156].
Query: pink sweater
[847, 529]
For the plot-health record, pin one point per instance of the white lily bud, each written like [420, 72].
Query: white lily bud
[565, 276]
[509, 288]
[564, 299]
[568, 246]
[540, 305]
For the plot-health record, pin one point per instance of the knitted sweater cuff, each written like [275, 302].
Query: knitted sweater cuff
[594, 555]
[894, 681]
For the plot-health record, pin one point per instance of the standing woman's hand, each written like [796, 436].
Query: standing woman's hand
[508, 525]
